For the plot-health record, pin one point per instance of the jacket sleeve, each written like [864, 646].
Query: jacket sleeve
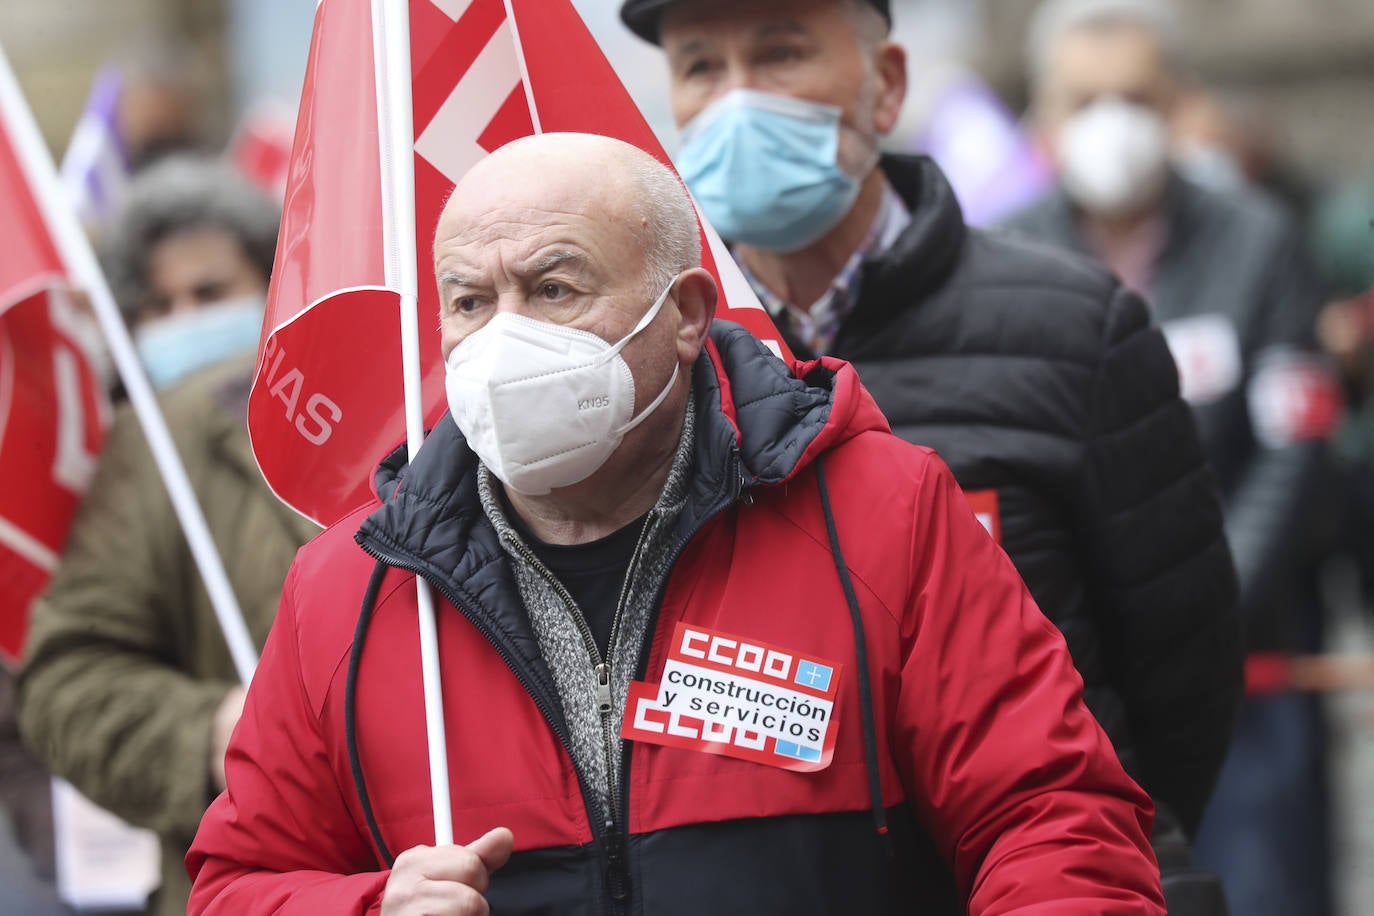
[103, 699]
[282, 838]
[1154, 548]
[1266, 512]
[1015, 778]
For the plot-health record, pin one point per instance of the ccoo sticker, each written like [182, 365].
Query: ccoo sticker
[723, 694]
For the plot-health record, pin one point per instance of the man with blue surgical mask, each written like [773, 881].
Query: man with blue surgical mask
[783, 107]
[1231, 287]
[127, 688]
[1035, 374]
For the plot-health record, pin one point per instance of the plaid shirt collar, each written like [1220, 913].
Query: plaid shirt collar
[818, 325]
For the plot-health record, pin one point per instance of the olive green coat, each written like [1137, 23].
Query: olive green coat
[125, 664]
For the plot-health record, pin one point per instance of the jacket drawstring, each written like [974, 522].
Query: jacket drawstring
[875, 789]
[355, 657]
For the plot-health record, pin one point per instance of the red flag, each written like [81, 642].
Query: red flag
[28, 258]
[261, 146]
[52, 405]
[327, 398]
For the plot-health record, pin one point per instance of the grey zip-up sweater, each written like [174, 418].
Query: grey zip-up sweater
[565, 643]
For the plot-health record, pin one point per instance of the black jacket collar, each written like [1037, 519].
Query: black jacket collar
[928, 249]
[918, 263]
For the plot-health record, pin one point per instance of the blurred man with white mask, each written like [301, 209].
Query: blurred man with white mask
[1234, 295]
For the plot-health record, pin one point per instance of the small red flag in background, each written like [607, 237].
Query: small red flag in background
[52, 404]
[261, 146]
[327, 400]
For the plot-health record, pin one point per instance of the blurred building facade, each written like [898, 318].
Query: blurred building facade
[57, 46]
[1301, 69]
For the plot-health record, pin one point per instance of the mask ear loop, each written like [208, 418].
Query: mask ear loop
[644, 322]
[875, 150]
[653, 405]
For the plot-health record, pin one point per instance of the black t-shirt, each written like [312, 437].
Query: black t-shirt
[593, 573]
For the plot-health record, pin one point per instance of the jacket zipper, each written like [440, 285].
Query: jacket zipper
[601, 668]
[740, 493]
[617, 878]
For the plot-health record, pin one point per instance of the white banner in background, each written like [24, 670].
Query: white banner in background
[102, 862]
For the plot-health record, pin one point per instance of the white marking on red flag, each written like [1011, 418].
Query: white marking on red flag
[27, 547]
[450, 142]
[453, 9]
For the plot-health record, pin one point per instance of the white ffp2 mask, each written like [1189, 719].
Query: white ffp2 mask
[544, 406]
[1114, 156]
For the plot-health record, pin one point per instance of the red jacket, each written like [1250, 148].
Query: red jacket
[981, 742]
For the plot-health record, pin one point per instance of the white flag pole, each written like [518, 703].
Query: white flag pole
[79, 258]
[391, 47]
[524, 67]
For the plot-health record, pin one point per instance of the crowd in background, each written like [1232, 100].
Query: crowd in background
[1123, 154]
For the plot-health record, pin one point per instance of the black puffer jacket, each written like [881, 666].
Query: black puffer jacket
[1233, 261]
[1034, 374]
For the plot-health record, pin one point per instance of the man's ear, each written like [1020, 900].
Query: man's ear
[696, 304]
[890, 66]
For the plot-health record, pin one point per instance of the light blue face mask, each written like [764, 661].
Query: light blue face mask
[176, 346]
[765, 169]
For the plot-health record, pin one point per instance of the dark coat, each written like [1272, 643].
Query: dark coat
[1034, 374]
[1235, 259]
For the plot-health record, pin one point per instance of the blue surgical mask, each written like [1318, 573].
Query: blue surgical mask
[177, 345]
[765, 169]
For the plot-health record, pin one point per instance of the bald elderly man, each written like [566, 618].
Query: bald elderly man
[644, 712]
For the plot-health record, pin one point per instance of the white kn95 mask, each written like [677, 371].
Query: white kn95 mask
[1114, 156]
[544, 406]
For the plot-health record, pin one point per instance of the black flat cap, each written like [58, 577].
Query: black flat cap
[641, 16]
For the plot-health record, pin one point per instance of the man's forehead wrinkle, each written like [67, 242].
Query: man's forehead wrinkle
[763, 32]
[517, 219]
[523, 254]
[695, 45]
[781, 29]
[518, 245]
[539, 228]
